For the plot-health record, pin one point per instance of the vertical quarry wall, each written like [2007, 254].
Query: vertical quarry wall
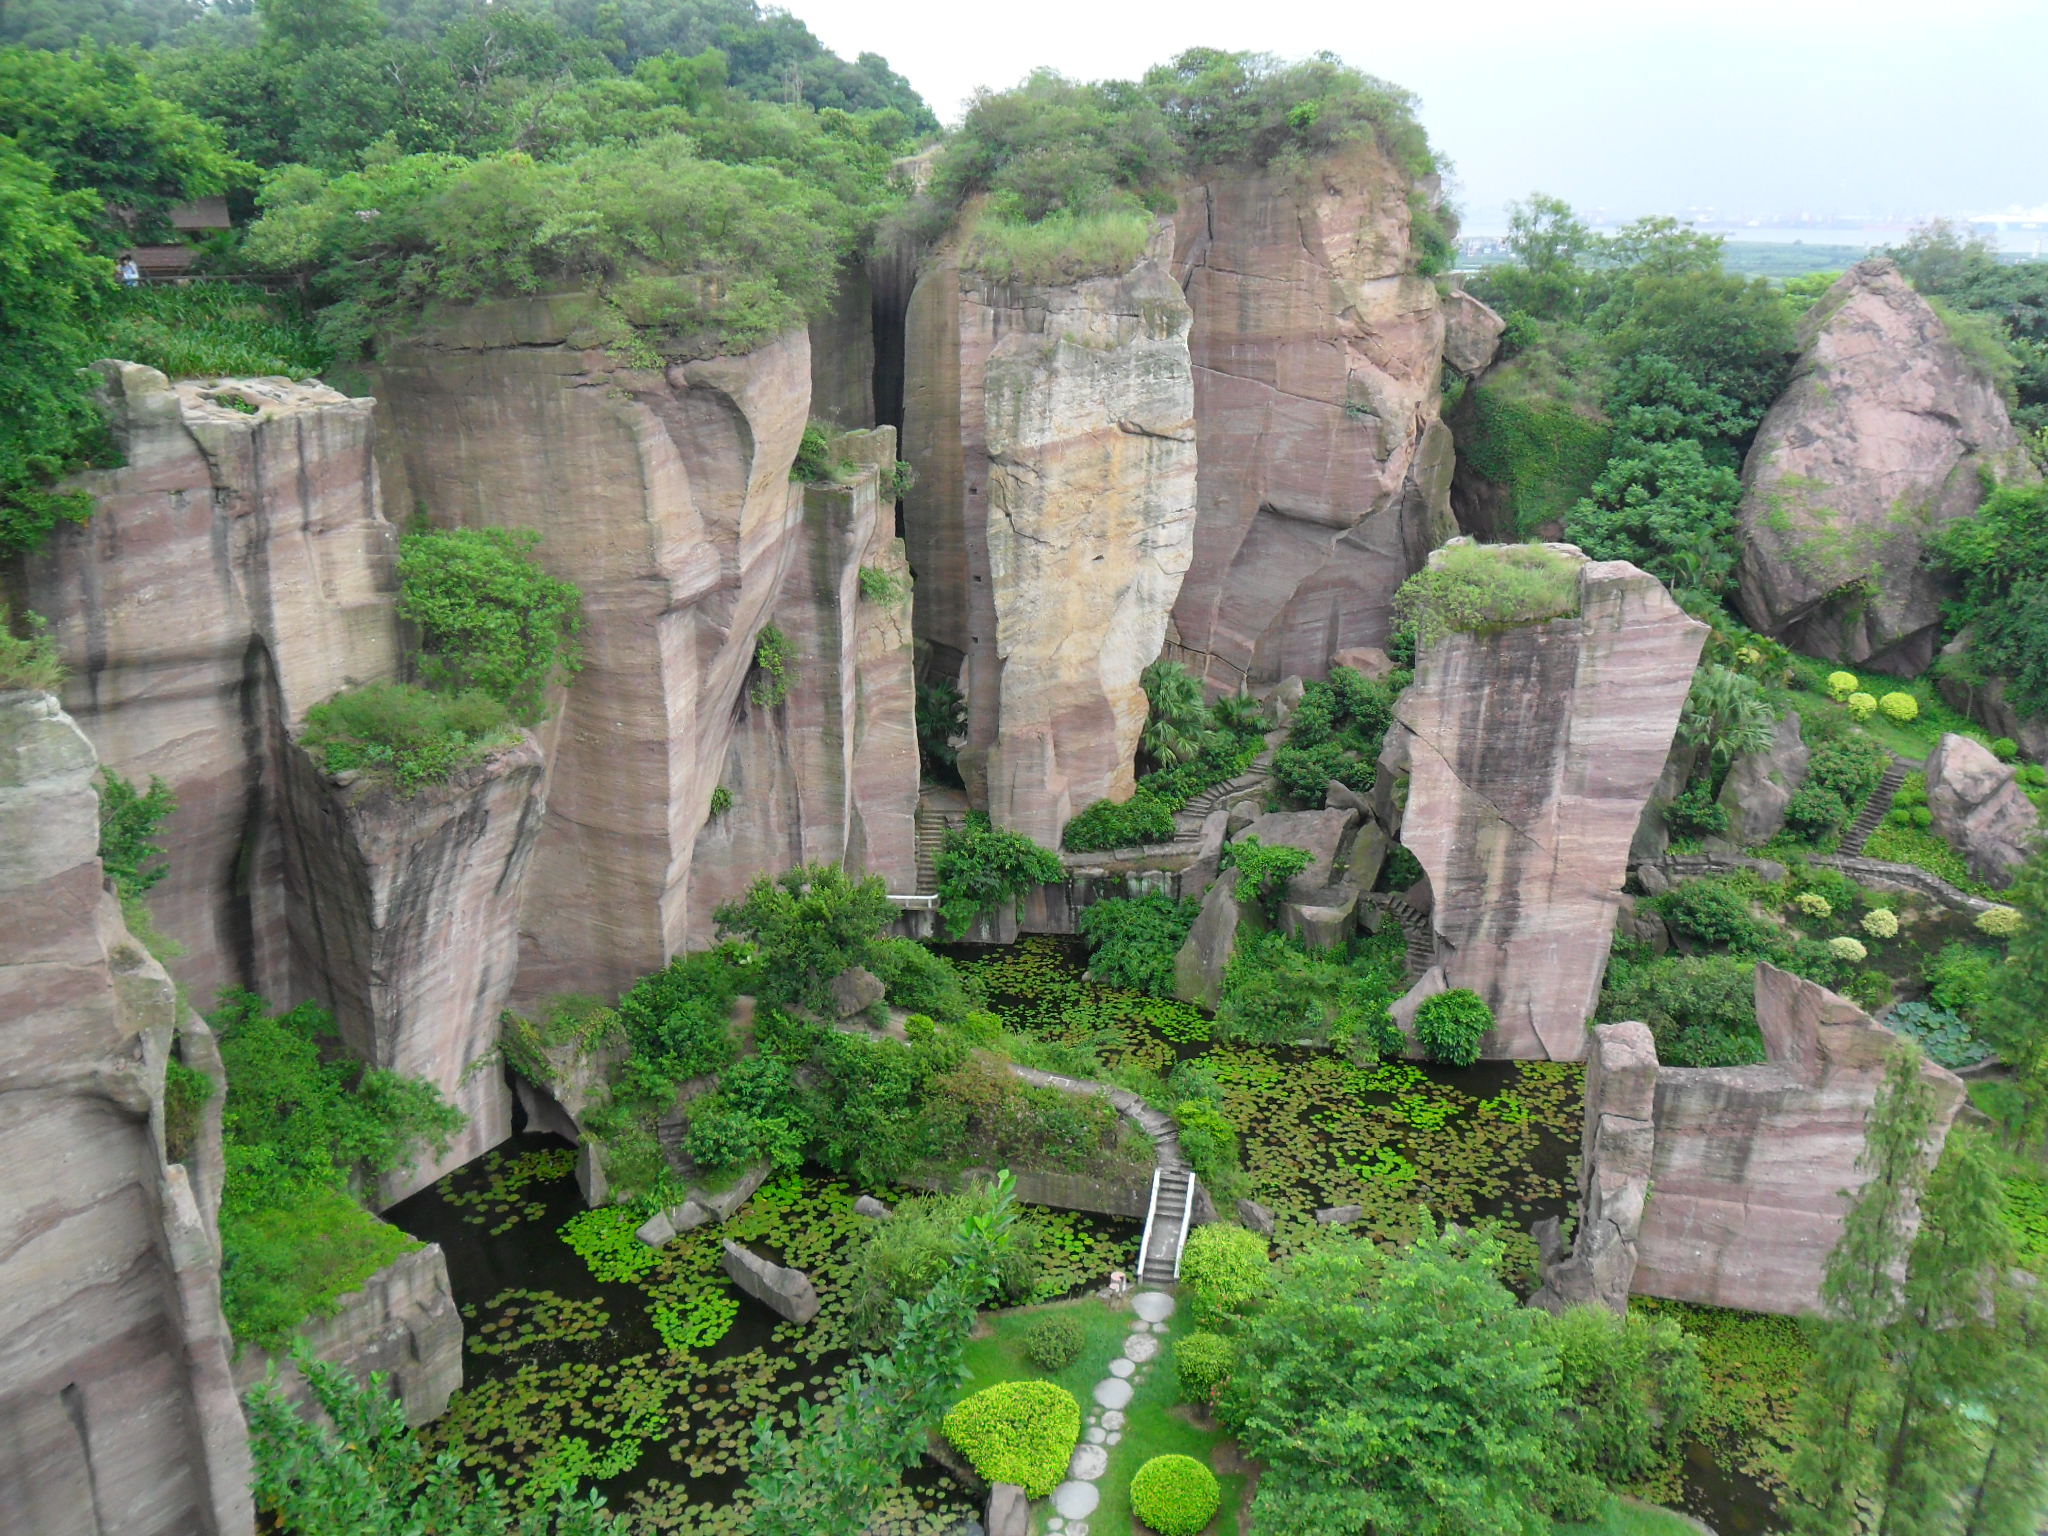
[237, 570]
[1736, 1194]
[1325, 471]
[831, 773]
[664, 494]
[1051, 429]
[1531, 752]
[117, 1413]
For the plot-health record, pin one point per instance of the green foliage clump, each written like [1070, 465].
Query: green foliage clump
[1961, 977]
[753, 1117]
[1195, 746]
[808, 925]
[1482, 588]
[1276, 991]
[1717, 910]
[489, 617]
[677, 1018]
[1053, 1342]
[1633, 1387]
[1063, 247]
[129, 821]
[1701, 1009]
[1843, 772]
[1226, 1271]
[1202, 1361]
[187, 1092]
[404, 734]
[721, 800]
[1175, 1495]
[1450, 1026]
[883, 588]
[1667, 508]
[981, 867]
[207, 330]
[1546, 453]
[917, 979]
[28, 661]
[1143, 819]
[815, 462]
[941, 723]
[1209, 1143]
[1264, 870]
[773, 655]
[1132, 941]
[1335, 733]
[1021, 1432]
[1943, 1035]
[299, 1130]
[1998, 556]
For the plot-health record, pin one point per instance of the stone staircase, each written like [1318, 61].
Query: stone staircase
[1166, 1226]
[1416, 929]
[1875, 808]
[1187, 821]
[933, 823]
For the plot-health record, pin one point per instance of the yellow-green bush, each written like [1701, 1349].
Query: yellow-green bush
[1021, 1432]
[1900, 707]
[1225, 1270]
[1999, 922]
[1861, 705]
[1881, 923]
[1846, 948]
[1842, 684]
[1175, 1495]
[1202, 1361]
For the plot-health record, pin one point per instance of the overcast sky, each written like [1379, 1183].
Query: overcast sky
[1634, 106]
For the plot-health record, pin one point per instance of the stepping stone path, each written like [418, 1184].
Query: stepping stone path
[1076, 1498]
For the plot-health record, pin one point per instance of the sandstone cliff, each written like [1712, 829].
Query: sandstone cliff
[1052, 433]
[664, 494]
[1325, 471]
[1531, 753]
[831, 773]
[117, 1413]
[237, 570]
[1882, 436]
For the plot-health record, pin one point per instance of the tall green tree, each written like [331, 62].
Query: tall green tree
[2015, 1016]
[2012, 1482]
[1849, 1389]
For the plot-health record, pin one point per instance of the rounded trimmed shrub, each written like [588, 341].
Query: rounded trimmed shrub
[1861, 705]
[1881, 923]
[1999, 922]
[1900, 707]
[1842, 684]
[2005, 749]
[1846, 948]
[1053, 1342]
[1225, 1270]
[1021, 1432]
[1175, 1495]
[1203, 1362]
[1813, 904]
[1451, 1024]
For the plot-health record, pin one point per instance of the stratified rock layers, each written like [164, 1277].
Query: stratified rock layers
[664, 494]
[117, 1413]
[236, 571]
[1325, 471]
[1531, 752]
[1882, 436]
[1052, 432]
[829, 775]
[404, 919]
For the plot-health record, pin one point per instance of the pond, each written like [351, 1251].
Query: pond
[592, 1359]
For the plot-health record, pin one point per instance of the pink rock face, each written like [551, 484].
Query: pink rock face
[1052, 431]
[665, 496]
[1755, 1166]
[236, 571]
[1325, 474]
[1617, 1149]
[830, 775]
[1881, 437]
[1978, 805]
[1532, 752]
[404, 919]
[117, 1413]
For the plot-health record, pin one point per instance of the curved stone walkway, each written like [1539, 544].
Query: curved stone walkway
[1103, 1426]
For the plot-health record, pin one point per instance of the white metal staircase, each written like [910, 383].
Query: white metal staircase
[1166, 1225]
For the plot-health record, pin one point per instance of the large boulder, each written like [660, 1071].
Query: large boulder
[1198, 967]
[788, 1293]
[1472, 333]
[1760, 785]
[1886, 432]
[1979, 807]
[1617, 1146]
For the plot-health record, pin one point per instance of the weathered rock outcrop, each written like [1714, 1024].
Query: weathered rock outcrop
[1052, 433]
[402, 1324]
[1614, 1175]
[117, 1413]
[237, 570]
[1751, 1168]
[786, 1292]
[1882, 436]
[1979, 807]
[831, 773]
[1989, 705]
[1472, 333]
[404, 919]
[664, 494]
[1530, 753]
[1760, 785]
[1325, 472]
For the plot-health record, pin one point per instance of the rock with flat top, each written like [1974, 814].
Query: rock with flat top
[1340, 1215]
[1257, 1217]
[869, 1206]
[786, 1292]
[855, 991]
[655, 1230]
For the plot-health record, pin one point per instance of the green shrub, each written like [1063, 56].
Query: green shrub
[187, 1091]
[1544, 453]
[808, 925]
[1061, 248]
[200, 330]
[1700, 1008]
[1132, 941]
[676, 1017]
[1999, 922]
[1961, 977]
[1695, 812]
[1202, 1361]
[489, 617]
[1715, 909]
[883, 588]
[1175, 1495]
[1450, 1026]
[1632, 1386]
[901, 1259]
[981, 867]
[1225, 1270]
[129, 852]
[721, 800]
[1021, 1432]
[1401, 871]
[815, 463]
[30, 660]
[1816, 812]
[1901, 707]
[917, 979]
[1335, 733]
[1263, 871]
[1053, 1342]
[1209, 1143]
[403, 734]
[1132, 823]
[2005, 749]
[772, 657]
[1481, 588]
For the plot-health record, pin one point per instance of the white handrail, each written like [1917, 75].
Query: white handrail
[1145, 1242]
[1187, 1215]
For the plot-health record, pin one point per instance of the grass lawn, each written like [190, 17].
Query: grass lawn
[1630, 1519]
[1149, 1430]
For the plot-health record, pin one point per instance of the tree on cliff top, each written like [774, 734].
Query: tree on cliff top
[489, 616]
